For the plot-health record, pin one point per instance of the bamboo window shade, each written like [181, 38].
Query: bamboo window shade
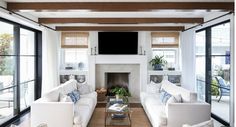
[165, 39]
[74, 39]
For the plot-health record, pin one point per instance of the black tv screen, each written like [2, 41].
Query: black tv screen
[117, 43]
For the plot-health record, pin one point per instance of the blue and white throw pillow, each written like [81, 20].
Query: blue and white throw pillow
[164, 96]
[74, 95]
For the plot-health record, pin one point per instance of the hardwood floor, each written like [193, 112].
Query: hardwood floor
[138, 118]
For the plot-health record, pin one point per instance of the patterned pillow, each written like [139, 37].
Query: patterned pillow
[164, 96]
[74, 95]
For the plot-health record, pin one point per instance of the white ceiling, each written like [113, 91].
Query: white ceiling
[119, 0]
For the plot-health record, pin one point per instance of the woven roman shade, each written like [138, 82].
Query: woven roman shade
[165, 39]
[74, 39]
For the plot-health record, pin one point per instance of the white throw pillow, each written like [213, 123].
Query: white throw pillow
[208, 123]
[153, 87]
[52, 96]
[84, 89]
[69, 86]
[64, 98]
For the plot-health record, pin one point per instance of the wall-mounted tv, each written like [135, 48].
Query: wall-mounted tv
[117, 43]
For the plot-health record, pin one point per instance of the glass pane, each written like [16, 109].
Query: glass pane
[26, 94]
[6, 39]
[169, 56]
[6, 104]
[220, 87]
[220, 39]
[27, 39]
[6, 80]
[27, 69]
[200, 64]
[77, 57]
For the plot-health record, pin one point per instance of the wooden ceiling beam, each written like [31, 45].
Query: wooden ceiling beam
[119, 28]
[120, 20]
[118, 6]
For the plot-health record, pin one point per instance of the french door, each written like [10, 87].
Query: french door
[20, 69]
[213, 69]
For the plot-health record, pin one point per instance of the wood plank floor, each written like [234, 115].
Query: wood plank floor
[139, 118]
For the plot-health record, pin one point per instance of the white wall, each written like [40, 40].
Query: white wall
[187, 45]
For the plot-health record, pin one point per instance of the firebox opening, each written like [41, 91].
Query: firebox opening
[113, 80]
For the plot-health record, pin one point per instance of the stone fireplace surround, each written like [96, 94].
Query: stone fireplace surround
[136, 65]
[132, 69]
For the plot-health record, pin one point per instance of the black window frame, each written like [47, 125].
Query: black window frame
[37, 67]
[208, 71]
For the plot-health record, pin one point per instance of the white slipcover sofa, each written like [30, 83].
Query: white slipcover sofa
[49, 110]
[190, 111]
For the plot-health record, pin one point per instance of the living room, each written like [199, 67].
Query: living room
[69, 63]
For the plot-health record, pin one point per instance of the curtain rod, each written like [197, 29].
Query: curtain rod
[11, 12]
[208, 21]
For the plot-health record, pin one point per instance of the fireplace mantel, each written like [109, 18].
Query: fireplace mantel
[140, 60]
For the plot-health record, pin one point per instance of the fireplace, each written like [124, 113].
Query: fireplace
[115, 79]
[119, 74]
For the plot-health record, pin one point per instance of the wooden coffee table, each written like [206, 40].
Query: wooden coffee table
[117, 122]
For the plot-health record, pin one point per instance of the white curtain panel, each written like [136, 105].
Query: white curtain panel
[50, 52]
[187, 45]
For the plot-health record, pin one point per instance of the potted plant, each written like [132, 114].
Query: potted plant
[158, 62]
[121, 92]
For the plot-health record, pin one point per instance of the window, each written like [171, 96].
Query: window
[19, 65]
[74, 52]
[166, 44]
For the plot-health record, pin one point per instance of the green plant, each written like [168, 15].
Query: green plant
[121, 91]
[214, 88]
[158, 60]
[5, 49]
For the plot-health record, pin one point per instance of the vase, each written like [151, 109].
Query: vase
[117, 97]
[158, 67]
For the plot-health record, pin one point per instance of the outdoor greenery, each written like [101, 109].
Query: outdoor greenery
[5, 49]
[158, 60]
[214, 88]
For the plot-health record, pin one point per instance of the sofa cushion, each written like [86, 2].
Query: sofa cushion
[52, 96]
[64, 98]
[156, 112]
[86, 101]
[84, 112]
[153, 87]
[187, 96]
[84, 89]
[69, 86]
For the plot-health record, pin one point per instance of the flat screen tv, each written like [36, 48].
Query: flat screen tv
[117, 43]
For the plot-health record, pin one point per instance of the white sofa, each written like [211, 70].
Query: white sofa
[48, 110]
[190, 111]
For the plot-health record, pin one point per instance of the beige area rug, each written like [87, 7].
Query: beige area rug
[138, 118]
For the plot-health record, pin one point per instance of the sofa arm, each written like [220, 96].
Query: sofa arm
[187, 113]
[54, 114]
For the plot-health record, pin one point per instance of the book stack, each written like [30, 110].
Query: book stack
[118, 108]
